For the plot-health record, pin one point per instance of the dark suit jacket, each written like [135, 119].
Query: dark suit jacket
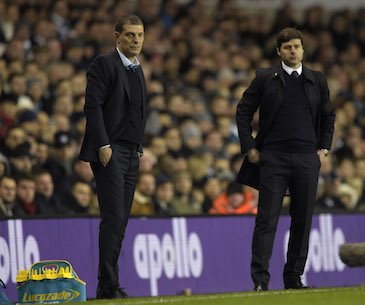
[266, 92]
[107, 103]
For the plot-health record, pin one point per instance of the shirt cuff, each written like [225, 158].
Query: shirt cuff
[105, 146]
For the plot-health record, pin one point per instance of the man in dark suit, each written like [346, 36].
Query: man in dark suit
[296, 123]
[116, 118]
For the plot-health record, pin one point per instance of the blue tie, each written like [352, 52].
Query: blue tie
[295, 74]
[132, 68]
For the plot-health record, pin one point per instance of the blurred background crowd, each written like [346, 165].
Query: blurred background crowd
[198, 59]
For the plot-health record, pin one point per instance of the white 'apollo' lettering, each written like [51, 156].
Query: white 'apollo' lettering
[178, 255]
[4, 260]
[323, 249]
[16, 255]
[168, 256]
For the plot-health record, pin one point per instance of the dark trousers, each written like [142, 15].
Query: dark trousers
[278, 171]
[115, 186]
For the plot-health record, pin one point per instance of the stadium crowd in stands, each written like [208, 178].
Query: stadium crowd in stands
[198, 58]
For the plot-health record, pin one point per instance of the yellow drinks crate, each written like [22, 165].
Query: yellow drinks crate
[50, 282]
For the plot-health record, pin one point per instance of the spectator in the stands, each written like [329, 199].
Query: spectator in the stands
[61, 160]
[41, 153]
[173, 141]
[28, 122]
[148, 162]
[360, 172]
[8, 205]
[4, 165]
[184, 201]
[18, 88]
[192, 138]
[214, 142]
[20, 159]
[145, 189]
[82, 172]
[163, 195]
[7, 113]
[212, 189]
[79, 199]
[51, 203]
[25, 195]
[158, 146]
[15, 136]
[234, 201]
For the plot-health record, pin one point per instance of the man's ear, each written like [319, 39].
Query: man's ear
[278, 51]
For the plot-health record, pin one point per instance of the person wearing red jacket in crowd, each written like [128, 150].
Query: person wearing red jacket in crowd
[234, 201]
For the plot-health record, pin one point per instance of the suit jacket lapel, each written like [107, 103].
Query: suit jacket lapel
[309, 77]
[123, 74]
[276, 77]
[277, 74]
[141, 81]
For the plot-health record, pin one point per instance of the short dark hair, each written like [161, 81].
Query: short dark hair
[234, 187]
[288, 34]
[128, 19]
[24, 177]
[40, 171]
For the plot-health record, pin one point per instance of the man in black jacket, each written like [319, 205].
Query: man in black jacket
[116, 118]
[296, 123]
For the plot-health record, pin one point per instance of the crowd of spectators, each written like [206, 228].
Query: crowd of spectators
[198, 58]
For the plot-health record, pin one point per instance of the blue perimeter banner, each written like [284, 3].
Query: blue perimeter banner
[164, 256]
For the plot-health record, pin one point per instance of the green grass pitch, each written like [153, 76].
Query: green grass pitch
[325, 296]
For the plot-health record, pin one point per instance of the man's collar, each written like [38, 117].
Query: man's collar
[126, 62]
[289, 70]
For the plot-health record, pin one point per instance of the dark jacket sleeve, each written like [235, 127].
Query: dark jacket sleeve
[99, 82]
[246, 108]
[327, 115]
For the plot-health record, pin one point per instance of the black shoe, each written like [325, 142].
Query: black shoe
[294, 284]
[115, 294]
[260, 287]
[119, 294]
[99, 293]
